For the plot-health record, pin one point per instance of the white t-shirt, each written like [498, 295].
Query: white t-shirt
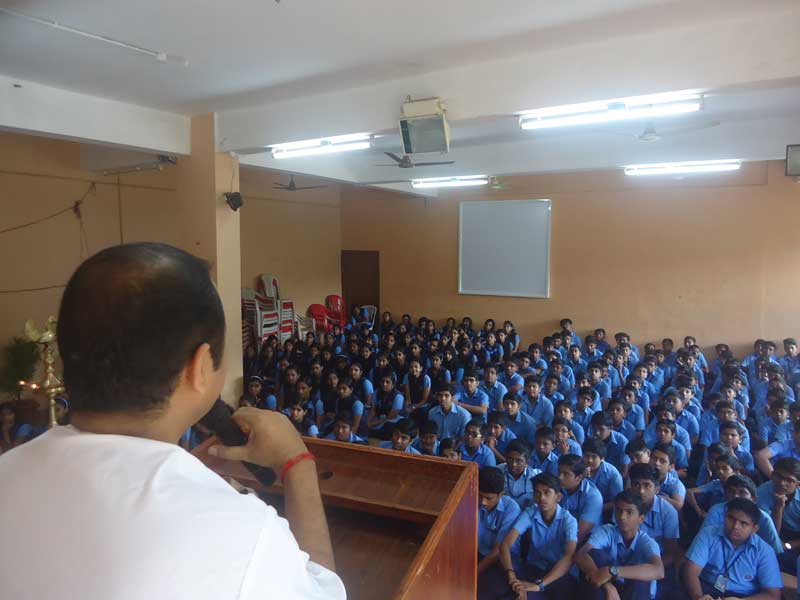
[112, 517]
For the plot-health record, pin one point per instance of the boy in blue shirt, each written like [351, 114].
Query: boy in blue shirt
[544, 458]
[403, 432]
[496, 516]
[595, 372]
[493, 388]
[603, 429]
[730, 437]
[564, 411]
[535, 405]
[428, 441]
[564, 443]
[475, 401]
[510, 378]
[498, 435]
[342, 430]
[779, 497]
[665, 434]
[518, 473]
[731, 560]
[662, 459]
[590, 349]
[683, 417]
[580, 496]
[575, 360]
[473, 449]
[777, 427]
[583, 408]
[523, 426]
[621, 556]
[552, 533]
[777, 450]
[617, 410]
[722, 466]
[451, 419]
[551, 383]
[606, 478]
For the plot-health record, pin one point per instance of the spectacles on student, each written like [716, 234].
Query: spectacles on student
[473, 434]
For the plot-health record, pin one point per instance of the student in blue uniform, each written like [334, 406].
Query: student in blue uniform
[777, 450]
[605, 476]
[497, 514]
[403, 432]
[780, 498]
[594, 372]
[723, 466]
[683, 417]
[302, 421]
[776, 427]
[386, 410]
[518, 473]
[732, 560]
[428, 441]
[451, 419]
[564, 410]
[621, 556]
[474, 400]
[730, 437]
[523, 426]
[550, 389]
[535, 405]
[618, 411]
[343, 430]
[665, 434]
[512, 380]
[584, 399]
[662, 458]
[663, 412]
[473, 449]
[552, 535]
[544, 458]
[741, 486]
[580, 496]
[495, 390]
[602, 429]
[564, 442]
[498, 435]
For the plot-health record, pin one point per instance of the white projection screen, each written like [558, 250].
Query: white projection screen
[504, 248]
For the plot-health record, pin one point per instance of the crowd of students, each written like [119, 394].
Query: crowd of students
[598, 460]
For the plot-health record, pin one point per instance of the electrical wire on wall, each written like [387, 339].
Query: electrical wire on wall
[83, 238]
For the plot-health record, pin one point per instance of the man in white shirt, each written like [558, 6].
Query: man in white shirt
[111, 507]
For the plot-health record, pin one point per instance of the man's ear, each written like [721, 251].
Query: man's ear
[198, 369]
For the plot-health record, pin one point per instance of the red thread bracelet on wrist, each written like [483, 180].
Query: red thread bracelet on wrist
[294, 461]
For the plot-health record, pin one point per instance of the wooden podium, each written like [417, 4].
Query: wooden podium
[402, 526]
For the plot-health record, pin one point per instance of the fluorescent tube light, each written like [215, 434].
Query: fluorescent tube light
[329, 145]
[438, 182]
[608, 111]
[685, 168]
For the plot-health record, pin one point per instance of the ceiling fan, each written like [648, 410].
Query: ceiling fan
[291, 187]
[405, 162]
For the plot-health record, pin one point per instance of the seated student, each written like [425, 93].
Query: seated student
[255, 395]
[523, 426]
[566, 378]
[640, 371]
[602, 429]
[620, 555]
[473, 449]
[497, 514]
[730, 437]
[448, 448]
[584, 399]
[403, 432]
[617, 410]
[564, 411]
[343, 429]
[512, 380]
[551, 383]
[662, 459]
[580, 496]
[564, 443]
[665, 434]
[636, 452]
[498, 435]
[552, 534]
[12, 433]
[777, 427]
[535, 405]
[779, 497]
[417, 389]
[428, 441]
[450, 418]
[575, 361]
[722, 412]
[518, 473]
[729, 393]
[741, 486]
[302, 421]
[660, 522]
[386, 410]
[617, 370]
[475, 401]
[603, 389]
[543, 457]
[731, 561]
[722, 466]
[683, 417]
[495, 390]
[605, 476]
[345, 399]
[667, 412]
[766, 457]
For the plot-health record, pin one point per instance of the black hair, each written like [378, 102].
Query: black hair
[642, 471]
[406, 427]
[746, 506]
[344, 416]
[664, 408]
[601, 419]
[668, 424]
[498, 417]
[533, 379]
[546, 433]
[667, 449]
[628, 497]
[428, 427]
[730, 425]
[130, 318]
[788, 465]
[548, 480]
[447, 444]
[717, 448]
[636, 445]
[616, 400]
[564, 404]
[593, 446]
[730, 460]
[574, 462]
[475, 422]
[561, 421]
[491, 480]
[518, 446]
[742, 481]
[512, 396]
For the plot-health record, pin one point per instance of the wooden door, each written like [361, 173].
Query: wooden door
[361, 283]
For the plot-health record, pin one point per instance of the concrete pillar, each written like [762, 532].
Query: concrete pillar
[210, 230]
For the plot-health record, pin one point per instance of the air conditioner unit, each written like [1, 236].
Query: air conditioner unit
[424, 128]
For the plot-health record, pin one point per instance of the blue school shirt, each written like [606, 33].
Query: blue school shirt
[409, 449]
[577, 367]
[577, 431]
[452, 424]
[595, 406]
[585, 503]
[548, 542]
[583, 418]
[609, 538]
[672, 486]
[660, 522]
[494, 525]
[608, 481]
[635, 416]
[603, 390]
[689, 422]
[520, 489]
[354, 439]
[366, 389]
[615, 449]
[417, 443]
[751, 567]
[554, 397]
[496, 393]
[771, 431]
[515, 379]
[504, 440]
[549, 464]
[766, 526]
[618, 378]
[479, 398]
[709, 432]
[656, 379]
[627, 429]
[712, 492]
[784, 449]
[681, 436]
[574, 448]
[523, 426]
[483, 457]
[541, 411]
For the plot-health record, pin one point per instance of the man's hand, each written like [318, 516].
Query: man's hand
[271, 439]
[563, 445]
[611, 592]
[780, 500]
[600, 576]
[491, 441]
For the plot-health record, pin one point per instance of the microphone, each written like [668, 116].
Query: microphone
[219, 421]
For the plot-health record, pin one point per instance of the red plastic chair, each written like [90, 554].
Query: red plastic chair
[322, 318]
[335, 306]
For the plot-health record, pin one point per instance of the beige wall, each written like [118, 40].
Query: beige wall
[716, 257]
[296, 236]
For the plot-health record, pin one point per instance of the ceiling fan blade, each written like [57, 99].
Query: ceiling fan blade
[280, 186]
[394, 157]
[385, 165]
[310, 187]
[430, 164]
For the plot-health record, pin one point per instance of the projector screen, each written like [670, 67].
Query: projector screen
[504, 248]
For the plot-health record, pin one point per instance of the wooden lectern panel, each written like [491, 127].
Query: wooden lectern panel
[402, 526]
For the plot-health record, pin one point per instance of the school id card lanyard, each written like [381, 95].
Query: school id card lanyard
[721, 582]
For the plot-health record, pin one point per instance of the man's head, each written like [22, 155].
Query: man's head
[662, 458]
[571, 469]
[644, 482]
[544, 441]
[628, 512]
[141, 332]
[445, 398]
[740, 486]
[786, 476]
[473, 434]
[594, 452]
[741, 520]
[490, 487]
[428, 435]
[546, 492]
[511, 404]
[343, 426]
[517, 456]
[405, 430]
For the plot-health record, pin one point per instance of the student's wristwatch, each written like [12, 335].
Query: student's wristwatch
[540, 583]
[614, 572]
